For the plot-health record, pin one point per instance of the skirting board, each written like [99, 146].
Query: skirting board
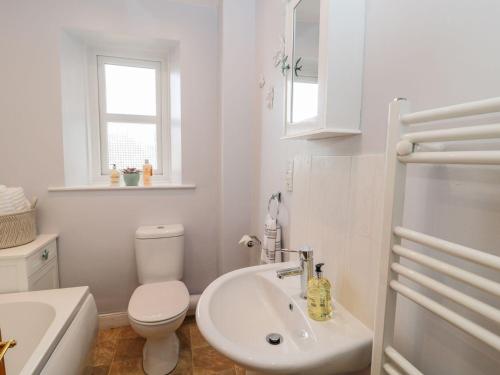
[113, 320]
[120, 319]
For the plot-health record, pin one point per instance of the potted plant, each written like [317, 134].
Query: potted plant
[131, 176]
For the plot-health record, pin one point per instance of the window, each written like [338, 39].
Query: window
[130, 113]
[121, 104]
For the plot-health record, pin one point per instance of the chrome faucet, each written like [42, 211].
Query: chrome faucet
[305, 270]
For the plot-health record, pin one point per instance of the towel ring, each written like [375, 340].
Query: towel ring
[275, 197]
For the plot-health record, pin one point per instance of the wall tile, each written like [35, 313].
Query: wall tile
[300, 201]
[328, 209]
[337, 203]
[358, 292]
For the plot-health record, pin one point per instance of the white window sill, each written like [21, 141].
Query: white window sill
[157, 186]
[321, 134]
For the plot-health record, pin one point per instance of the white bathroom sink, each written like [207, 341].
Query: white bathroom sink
[239, 309]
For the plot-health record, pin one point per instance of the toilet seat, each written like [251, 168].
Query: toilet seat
[157, 303]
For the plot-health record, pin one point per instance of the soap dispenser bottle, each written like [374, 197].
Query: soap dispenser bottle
[319, 298]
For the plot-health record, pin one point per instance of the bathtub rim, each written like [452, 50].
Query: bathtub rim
[66, 303]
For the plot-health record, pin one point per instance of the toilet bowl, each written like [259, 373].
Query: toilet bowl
[155, 312]
[158, 306]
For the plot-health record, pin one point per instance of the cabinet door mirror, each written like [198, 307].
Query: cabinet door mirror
[323, 66]
[304, 81]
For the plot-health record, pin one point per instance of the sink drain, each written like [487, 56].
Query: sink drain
[274, 338]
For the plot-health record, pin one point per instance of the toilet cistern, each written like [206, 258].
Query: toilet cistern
[305, 269]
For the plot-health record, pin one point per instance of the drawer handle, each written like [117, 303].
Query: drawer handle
[45, 254]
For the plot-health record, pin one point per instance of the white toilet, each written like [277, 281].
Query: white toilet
[158, 307]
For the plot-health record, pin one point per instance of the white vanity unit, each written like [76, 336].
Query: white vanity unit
[30, 267]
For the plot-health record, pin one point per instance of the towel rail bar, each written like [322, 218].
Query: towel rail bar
[455, 134]
[450, 316]
[460, 110]
[390, 370]
[467, 253]
[453, 157]
[454, 295]
[401, 361]
[449, 270]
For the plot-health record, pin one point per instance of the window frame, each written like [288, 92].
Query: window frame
[105, 117]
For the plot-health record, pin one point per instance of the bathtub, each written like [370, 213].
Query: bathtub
[54, 330]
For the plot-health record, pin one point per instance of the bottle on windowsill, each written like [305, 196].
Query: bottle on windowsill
[115, 176]
[147, 173]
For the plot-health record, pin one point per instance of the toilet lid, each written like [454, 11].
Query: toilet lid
[157, 302]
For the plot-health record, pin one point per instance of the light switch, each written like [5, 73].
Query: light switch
[289, 176]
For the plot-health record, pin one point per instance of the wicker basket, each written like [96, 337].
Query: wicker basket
[17, 229]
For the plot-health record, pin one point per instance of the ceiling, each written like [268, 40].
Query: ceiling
[210, 3]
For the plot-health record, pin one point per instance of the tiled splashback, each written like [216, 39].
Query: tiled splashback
[337, 209]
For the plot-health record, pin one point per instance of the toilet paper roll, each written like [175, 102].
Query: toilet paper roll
[247, 241]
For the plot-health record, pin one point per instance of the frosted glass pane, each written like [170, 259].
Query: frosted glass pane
[130, 144]
[130, 90]
[305, 101]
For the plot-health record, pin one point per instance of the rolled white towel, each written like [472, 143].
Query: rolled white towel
[6, 209]
[19, 200]
[5, 202]
[13, 200]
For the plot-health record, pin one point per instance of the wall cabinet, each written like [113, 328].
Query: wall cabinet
[323, 68]
[33, 266]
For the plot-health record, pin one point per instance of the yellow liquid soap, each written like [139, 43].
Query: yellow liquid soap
[319, 298]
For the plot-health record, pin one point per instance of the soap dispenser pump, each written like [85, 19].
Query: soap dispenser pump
[319, 299]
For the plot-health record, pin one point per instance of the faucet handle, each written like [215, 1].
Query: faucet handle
[306, 252]
[306, 249]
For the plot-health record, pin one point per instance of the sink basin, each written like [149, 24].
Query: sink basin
[239, 309]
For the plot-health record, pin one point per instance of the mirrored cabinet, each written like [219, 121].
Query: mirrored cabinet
[323, 68]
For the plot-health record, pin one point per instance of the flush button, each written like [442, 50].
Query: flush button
[274, 338]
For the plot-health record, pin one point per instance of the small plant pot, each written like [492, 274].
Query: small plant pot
[131, 179]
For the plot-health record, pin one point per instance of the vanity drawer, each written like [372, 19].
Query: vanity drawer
[45, 278]
[41, 257]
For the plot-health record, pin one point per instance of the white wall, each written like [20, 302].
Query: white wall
[74, 110]
[97, 228]
[434, 53]
[238, 128]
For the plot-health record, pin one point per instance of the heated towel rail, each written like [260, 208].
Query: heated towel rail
[405, 145]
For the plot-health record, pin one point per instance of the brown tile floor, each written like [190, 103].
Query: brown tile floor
[119, 351]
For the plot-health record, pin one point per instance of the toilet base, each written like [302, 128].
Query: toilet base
[160, 355]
